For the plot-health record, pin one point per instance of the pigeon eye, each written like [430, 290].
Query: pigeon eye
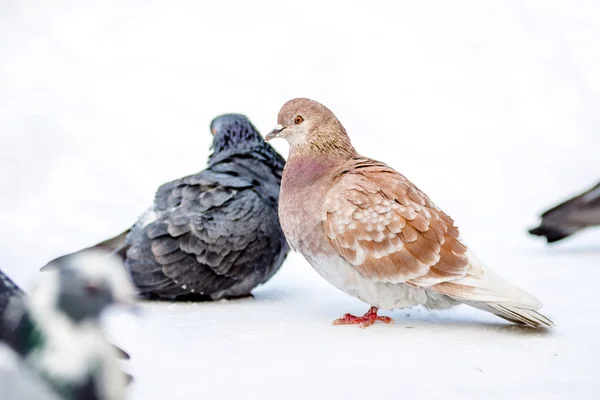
[298, 120]
[92, 289]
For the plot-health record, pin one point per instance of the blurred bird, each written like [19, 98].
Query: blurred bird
[11, 299]
[56, 330]
[9, 293]
[570, 217]
[215, 234]
[373, 234]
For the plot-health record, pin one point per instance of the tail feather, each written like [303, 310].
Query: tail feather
[515, 314]
[552, 234]
[116, 245]
[570, 217]
[482, 288]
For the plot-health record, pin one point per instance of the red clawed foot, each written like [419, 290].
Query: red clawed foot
[366, 320]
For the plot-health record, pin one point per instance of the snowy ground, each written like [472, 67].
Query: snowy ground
[490, 107]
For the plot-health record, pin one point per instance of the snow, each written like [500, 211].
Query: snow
[490, 107]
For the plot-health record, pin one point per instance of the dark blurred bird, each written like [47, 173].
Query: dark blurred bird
[215, 234]
[56, 333]
[572, 216]
[10, 293]
[12, 298]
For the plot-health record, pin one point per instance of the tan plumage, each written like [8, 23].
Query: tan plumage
[389, 230]
[372, 233]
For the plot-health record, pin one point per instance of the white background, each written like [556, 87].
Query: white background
[492, 108]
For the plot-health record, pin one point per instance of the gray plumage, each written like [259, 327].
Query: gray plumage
[574, 215]
[214, 234]
[9, 291]
[10, 300]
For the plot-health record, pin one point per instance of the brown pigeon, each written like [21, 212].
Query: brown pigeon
[373, 234]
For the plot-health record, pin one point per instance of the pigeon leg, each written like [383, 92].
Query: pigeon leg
[366, 320]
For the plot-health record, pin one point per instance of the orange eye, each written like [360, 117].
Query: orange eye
[298, 120]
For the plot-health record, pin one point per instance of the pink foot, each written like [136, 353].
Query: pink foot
[366, 320]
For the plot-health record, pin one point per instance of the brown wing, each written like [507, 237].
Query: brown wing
[389, 230]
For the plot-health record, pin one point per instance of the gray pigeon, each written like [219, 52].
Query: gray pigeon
[574, 215]
[10, 293]
[214, 234]
[56, 333]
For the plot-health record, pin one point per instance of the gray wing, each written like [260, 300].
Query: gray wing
[115, 245]
[573, 215]
[213, 231]
[18, 382]
[8, 290]
[10, 295]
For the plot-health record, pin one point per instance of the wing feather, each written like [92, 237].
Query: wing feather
[212, 231]
[389, 230]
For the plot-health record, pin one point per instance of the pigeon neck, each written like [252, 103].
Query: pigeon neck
[308, 171]
[77, 343]
[28, 336]
[220, 154]
[237, 138]
[325, 144]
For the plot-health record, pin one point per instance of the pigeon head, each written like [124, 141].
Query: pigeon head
[84, 285]
[307, 124]
[233, 131]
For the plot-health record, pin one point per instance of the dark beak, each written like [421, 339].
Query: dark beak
[274, 133]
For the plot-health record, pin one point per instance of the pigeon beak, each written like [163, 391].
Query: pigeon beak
[274, 133]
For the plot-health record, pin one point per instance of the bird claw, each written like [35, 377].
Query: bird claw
[364, 321]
